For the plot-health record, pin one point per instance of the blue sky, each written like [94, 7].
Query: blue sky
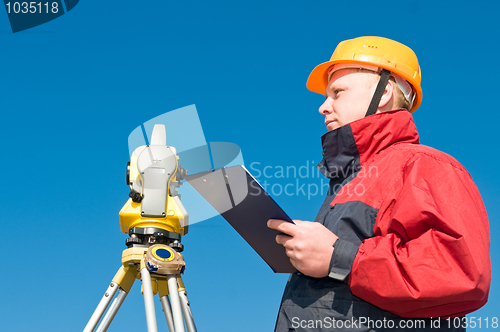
[73, 89]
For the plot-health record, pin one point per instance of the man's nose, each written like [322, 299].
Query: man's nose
[325, 108]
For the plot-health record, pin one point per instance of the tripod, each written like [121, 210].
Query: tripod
[167, 265]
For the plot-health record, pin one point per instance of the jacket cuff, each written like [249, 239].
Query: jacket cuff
[342, 258]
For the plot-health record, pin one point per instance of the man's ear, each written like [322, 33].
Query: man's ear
[385, 101]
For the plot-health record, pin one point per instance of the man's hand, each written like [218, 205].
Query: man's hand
[308, 244]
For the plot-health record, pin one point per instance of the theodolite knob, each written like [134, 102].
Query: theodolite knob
[177, 246]
[132, 240]
[136, 197]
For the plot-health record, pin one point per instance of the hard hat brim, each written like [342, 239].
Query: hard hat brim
[318, 79]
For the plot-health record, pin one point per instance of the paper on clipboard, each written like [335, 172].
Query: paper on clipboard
[246, 206]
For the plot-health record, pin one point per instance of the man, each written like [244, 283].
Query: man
[402, 237]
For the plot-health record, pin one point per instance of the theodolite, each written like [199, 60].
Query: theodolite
[155, 220]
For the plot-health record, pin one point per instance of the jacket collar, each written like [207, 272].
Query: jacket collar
[347, 148]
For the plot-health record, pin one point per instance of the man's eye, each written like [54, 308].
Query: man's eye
[336, 93]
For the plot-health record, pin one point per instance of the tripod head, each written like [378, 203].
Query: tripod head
[154, 213]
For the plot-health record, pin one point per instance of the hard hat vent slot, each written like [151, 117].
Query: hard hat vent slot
[371, 46]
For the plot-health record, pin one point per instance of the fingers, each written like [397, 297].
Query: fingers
[274, 223]
[282, 226]
[283, 239]
[286, 242]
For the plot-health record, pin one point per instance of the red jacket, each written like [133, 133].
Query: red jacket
[413, 231]
[429, 256]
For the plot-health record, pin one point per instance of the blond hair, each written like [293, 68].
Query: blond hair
[399, 98]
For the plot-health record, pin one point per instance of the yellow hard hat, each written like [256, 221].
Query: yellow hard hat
[372, 51]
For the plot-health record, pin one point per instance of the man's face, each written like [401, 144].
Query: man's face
[348, 96]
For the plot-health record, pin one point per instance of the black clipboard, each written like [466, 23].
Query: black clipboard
[246, 206]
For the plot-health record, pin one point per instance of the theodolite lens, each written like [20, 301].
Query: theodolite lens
[128, 173]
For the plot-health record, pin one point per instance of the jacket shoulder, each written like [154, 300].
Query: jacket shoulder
[427, 154]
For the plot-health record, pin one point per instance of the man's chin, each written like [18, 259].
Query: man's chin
[332, 126]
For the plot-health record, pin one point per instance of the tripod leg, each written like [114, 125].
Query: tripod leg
[167, 310]
[186, 309]
[165, 303]
[113, 309]
[148, 300]
[123, 280]
[188, 316]
[101, 307]
[176, 303]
